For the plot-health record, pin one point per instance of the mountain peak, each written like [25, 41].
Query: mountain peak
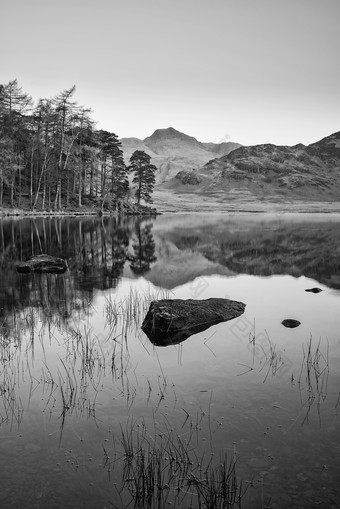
[170, 133]
[173, 151]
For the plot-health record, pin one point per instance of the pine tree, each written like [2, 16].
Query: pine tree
[114, 179]
[144, 175]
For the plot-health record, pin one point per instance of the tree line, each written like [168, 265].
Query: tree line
[52, 157]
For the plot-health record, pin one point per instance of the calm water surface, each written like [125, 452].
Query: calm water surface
[77, 374]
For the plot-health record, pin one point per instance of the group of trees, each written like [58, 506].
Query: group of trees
[52, 157]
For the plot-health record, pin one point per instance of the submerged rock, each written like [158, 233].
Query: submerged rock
[291, 323]
[43, 263]
[170, 321]
[313, 290]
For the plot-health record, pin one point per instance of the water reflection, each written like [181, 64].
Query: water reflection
[79, 380]
[168, 251]
[143, 249]
[258, 245]
[96, 250]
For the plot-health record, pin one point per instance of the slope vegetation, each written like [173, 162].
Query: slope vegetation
[300, 171]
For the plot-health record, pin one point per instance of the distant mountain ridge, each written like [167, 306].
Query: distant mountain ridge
[173, 151]
[311, 171]
[229, 171]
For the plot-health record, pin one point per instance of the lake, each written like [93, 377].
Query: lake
[243, 414]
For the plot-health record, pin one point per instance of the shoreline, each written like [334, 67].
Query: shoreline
[190, 202]
[21, 213]
[183, 204]
[198, 211]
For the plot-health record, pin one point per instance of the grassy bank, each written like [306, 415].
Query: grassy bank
[169, 201]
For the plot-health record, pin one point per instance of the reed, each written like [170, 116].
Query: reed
[158, 466]
[11, 408]
[313, 377]
[125, 315]
[273, 358]
[162, 467]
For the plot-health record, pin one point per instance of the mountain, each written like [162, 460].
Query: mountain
[269, 171]
[173, 152]
[193, 174]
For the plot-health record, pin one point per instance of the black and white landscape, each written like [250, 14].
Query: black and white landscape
[231, 172]
[169, 254]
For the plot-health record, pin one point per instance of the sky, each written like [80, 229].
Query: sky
[248, 71]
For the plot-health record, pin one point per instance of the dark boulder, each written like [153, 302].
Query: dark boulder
[188, 177]
[171, 321]
[291, 323]
[313, 290]
[43, 263]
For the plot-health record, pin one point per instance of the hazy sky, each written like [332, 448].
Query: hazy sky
[254, 71]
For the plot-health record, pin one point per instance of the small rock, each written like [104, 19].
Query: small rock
[291, 323]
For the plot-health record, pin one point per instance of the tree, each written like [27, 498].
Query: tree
[14, 103]
[8, 167]
[114, 179]
[83, 132]
[14, 134]
[119, 178]
[41, 149]
[64, 108]
[144, 175]
[52, 154]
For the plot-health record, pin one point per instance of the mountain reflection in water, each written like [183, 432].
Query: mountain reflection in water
[168, 251]
[81, 385]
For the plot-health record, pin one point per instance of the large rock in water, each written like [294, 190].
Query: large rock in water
[170, 321]
[43, 263]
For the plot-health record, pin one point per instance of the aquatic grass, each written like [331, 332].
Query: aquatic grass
[313, 377]
[161, 466]
[266, 353]
[273, 358]
[316, 366]
[125, 315]
[70, 385]
[219, 488]
[11, 409]
[84, 364]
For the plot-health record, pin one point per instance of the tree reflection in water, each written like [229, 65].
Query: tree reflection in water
[96, 250]
[143, 248]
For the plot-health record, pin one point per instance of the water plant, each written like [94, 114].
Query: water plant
[313, 377]
[163, 467]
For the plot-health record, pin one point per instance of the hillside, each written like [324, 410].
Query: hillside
[172, 151]
[270, 172]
